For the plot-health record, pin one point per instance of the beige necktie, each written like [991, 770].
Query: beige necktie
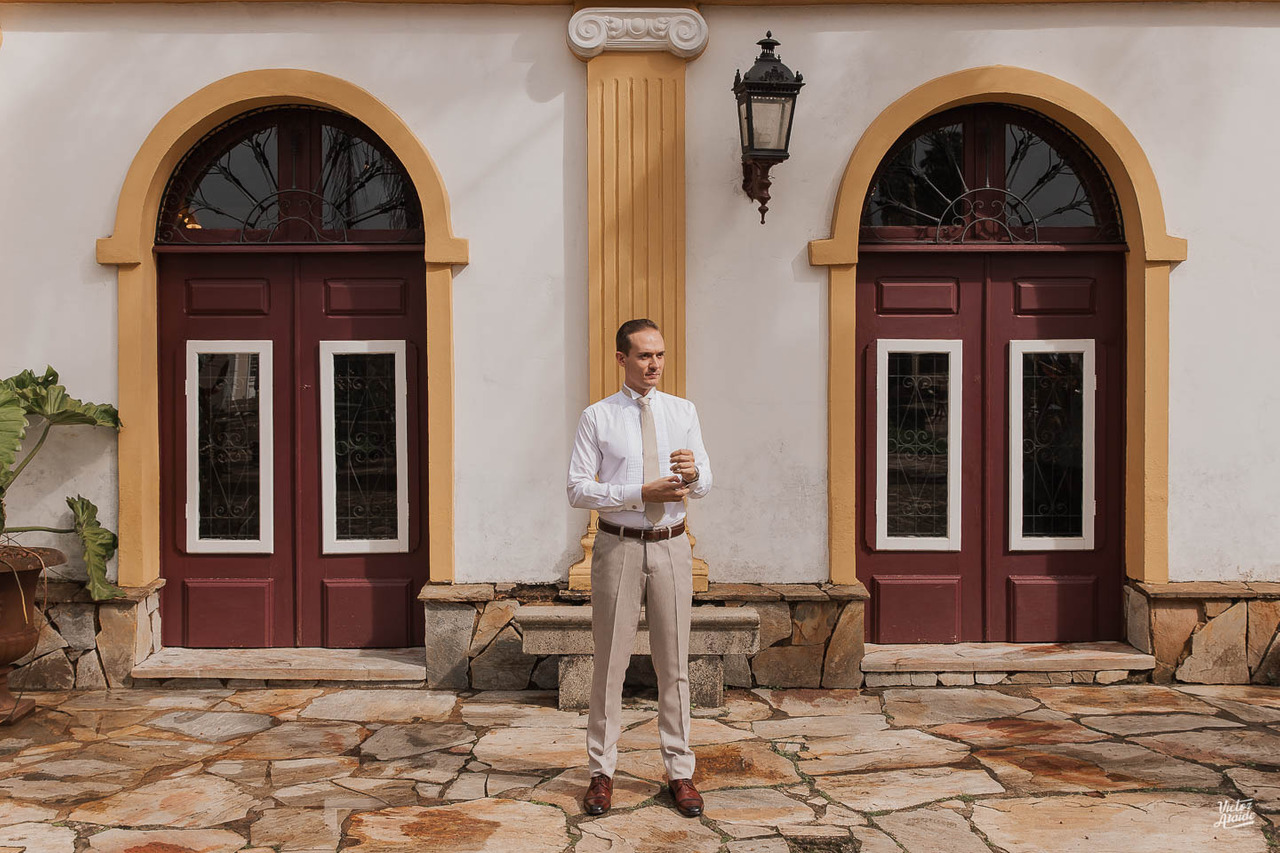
[649, 438]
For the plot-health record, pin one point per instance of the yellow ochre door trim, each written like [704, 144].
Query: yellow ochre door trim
[129, 248]
[1152, 254]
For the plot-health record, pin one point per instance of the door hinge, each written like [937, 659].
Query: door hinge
[1094, 507]
[186, 510]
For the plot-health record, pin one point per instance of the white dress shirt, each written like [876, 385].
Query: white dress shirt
[606, 470]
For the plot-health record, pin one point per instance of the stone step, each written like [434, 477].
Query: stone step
[923, 664]
[566, 630]
[282, 667]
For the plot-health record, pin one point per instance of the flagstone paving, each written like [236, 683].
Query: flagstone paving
[1248, 702]
[951, 705]
[1092, 767]
[1150, 723]
[1014, 731]
[887, 749]
[391, 705]
[1133, 823]
[1261, 785]
[701, 733]
[1221, 747]
[933, 828]
[197, 841]
[1008, 769]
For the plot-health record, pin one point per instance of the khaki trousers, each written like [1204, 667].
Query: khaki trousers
[624, 574]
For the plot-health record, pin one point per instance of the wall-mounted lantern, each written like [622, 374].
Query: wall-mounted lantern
[766, 105]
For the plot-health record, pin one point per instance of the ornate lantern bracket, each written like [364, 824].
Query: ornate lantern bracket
[766, 97]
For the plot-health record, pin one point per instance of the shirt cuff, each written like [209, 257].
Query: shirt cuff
[698, 487]
[631, 498]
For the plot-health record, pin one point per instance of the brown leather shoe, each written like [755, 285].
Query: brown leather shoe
[688, 800]
[599, 795]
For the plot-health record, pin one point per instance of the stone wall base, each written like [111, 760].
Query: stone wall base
[980, 679]
[1207, 632]
[811, 635]
[88, 645]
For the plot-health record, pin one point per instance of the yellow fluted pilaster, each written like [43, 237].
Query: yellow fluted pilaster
[635, 209]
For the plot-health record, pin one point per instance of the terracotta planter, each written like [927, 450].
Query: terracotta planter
[19, 576]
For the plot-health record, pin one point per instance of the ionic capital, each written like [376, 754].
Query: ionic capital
[682, 32]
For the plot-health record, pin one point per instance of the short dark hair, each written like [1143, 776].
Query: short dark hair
[629, 328]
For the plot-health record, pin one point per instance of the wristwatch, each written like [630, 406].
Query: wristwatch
[695, 477]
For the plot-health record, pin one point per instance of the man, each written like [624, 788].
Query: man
[641, 554]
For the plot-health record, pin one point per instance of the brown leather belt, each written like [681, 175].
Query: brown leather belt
[652, 534]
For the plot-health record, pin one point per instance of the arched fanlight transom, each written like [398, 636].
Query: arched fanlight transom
[990, 174]
[290, 175]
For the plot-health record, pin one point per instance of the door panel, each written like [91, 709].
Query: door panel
[377, 559]
[229, 612]
[214, 596]
[1039, 502]
[921, 595]
[917, 608]
[1087, 295]
[244, 439]
[349, 602]
[228, 296]
[1053, 608]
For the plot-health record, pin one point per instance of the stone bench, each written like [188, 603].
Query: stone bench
[566, 631]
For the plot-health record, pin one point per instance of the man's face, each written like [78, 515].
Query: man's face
[643, 365]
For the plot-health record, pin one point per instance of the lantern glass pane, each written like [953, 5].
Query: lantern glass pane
[771, 117]
[744, 124]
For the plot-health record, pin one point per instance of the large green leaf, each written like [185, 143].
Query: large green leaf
[99, 545]
[43, 396]
[13, 428]
[27, 380]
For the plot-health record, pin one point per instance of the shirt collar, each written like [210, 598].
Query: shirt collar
[634, 397]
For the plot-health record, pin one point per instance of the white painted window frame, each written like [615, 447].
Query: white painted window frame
[265, 543]
[330, 543]
[1085, 542]
[955, 350]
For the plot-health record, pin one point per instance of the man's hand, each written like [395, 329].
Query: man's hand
[663, 490]
[682, 464]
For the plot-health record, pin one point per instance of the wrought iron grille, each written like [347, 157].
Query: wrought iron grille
[918, 384]
[1053, 444]
[365, 446]
[228, 452]
[991, 174]
[290, 175]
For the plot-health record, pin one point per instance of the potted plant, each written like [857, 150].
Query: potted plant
[24, 398]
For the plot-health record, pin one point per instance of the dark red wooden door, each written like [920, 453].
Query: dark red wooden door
[979, 522]
[363, 597]
[271, 364]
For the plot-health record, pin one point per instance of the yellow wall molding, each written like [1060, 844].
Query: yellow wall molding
[130, 249]
[635, 222]
[635, 207]
[1152, 253]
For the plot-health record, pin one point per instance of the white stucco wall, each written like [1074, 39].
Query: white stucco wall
[1193, 84]
[498, 101]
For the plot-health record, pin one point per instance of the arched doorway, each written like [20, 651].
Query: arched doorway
[990, 337]
[292, 362]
